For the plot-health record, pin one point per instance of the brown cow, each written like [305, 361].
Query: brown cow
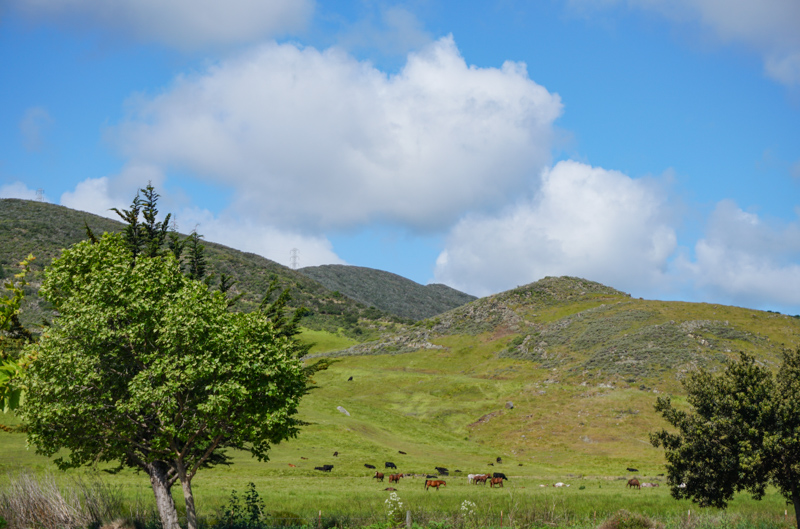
[395, 478]
[378, 476]
[496, 481]
[434, 483]
[634, 483]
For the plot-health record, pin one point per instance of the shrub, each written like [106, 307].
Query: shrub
[623, 519]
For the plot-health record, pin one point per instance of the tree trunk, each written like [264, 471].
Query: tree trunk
[191, 514]
[161, 489]
[796, 503]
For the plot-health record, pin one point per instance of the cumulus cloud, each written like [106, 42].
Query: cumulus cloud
[768, 26]
[17, 190]
[316, 139]
[32, 126]
[185, 24]
[99, 195]
[746, 260]
[584, 221]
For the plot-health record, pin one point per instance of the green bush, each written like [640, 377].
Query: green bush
[623, 519]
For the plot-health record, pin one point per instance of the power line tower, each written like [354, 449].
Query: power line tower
[40, 195]
[293, 258]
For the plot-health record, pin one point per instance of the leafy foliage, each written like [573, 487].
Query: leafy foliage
[742, 434]
[147, 367]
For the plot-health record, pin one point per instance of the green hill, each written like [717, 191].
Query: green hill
[388, 292]
[559, 376]
[45, 229]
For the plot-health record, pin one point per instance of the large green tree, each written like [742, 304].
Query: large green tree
[742, 433]
[147, 368]
[13, 336]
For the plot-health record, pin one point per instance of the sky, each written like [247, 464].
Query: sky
[650, 145]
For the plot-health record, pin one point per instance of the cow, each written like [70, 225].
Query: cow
[440, 469]
[336, 454]
[378, 476]
[324, 468]
[496, 481]
[301, 457]
[499, 475]
[390, 488]
[499, 459]
[634, 483]
[369, 466]
[559, 484]
[633, 469]
[395, 478]
[401, 452]
[389, 464]
[293, 466]
[645, 484]
[434, 483]
[350, 379]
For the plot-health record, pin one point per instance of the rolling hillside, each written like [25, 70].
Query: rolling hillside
[44, 229]
[556, 377]
[388, 292]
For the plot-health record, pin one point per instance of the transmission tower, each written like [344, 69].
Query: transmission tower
[40, 195]
[293, 258]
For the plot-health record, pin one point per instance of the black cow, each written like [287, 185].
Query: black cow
[499, 459]
[429, 476]
[499, 475]
[633, 469]
[440, 469]
[401, 452]
[389, 464]
[335, 454]
[324, 468]
[350, 379]
[369, 466]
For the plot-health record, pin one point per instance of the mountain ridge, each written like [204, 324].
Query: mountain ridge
[388, 291]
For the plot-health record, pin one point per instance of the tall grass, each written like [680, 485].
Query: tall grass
[37, 501]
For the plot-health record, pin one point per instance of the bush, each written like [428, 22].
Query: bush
[623, 519]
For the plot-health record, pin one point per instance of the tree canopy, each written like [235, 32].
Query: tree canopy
[147, 368]
[742, 433]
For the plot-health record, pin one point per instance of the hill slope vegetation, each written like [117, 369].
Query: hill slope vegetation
[389, 292]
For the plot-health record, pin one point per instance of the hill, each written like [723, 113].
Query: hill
[559, 376]
[389, 292]
[45, 229]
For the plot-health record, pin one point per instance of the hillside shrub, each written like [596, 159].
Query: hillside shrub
[623, 519]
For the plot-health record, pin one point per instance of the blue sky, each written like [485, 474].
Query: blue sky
[650, 145]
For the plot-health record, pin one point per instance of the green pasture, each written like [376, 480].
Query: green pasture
[446, 407]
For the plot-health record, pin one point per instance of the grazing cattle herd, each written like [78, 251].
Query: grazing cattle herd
[495, 479]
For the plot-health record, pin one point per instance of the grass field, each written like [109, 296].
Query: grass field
[448, 407]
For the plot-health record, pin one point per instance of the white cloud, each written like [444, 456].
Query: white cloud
[17, 190]
[33, 124]
[317, 139]
[185, 24]
[99, 195]
[249, 236]
[584, 221]
[772, 27]
[746, 260]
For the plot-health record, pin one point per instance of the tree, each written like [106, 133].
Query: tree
[742, 434]
[13, 335]
[146, 367]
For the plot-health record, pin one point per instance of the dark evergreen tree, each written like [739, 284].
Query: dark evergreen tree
[742, 433]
